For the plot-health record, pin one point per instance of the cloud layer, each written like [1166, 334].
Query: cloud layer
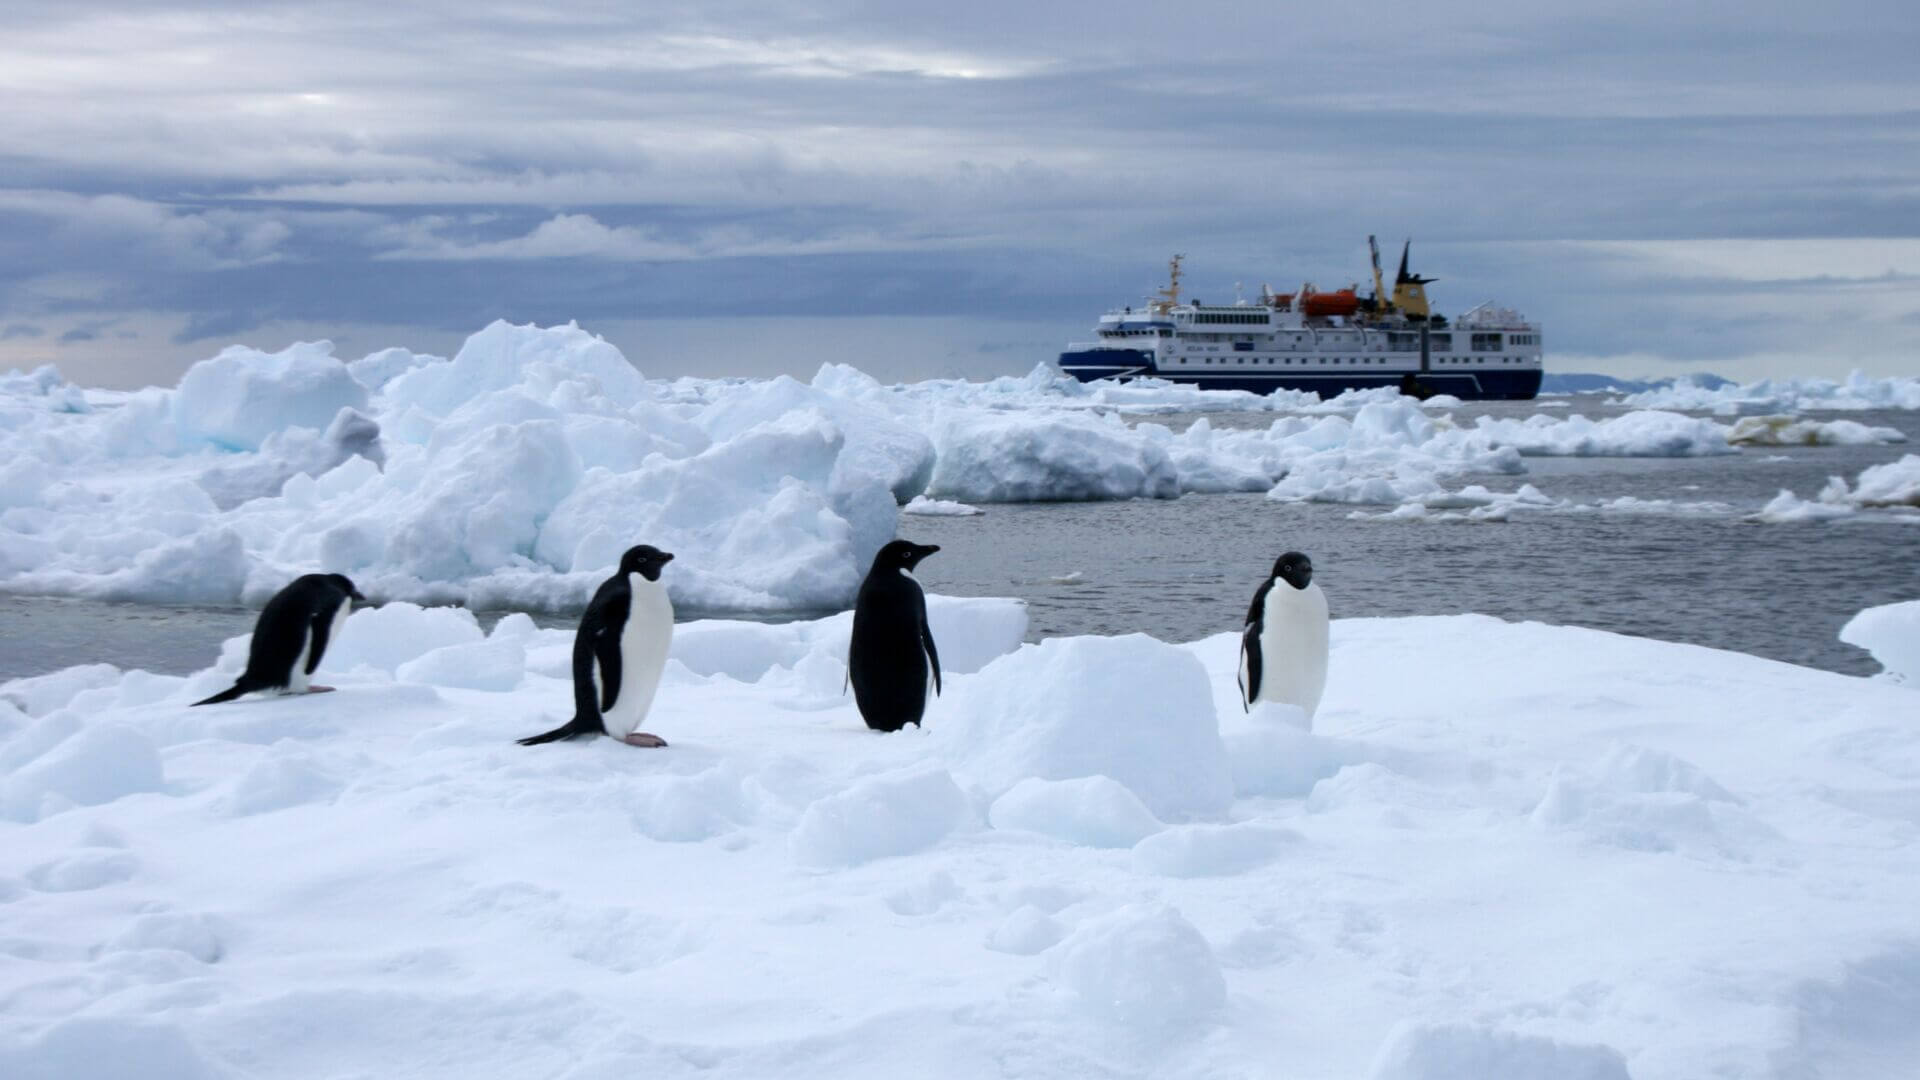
[1644, 183]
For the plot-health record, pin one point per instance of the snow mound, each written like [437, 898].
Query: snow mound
[1891, 632]
[1646, 800]
[895, 814]
[1093, 811]
[104, 1046]
[96, 764]
[391, 635]
[1191, 851]
[1417, 1051]
[1141, 967]
[1129, 708]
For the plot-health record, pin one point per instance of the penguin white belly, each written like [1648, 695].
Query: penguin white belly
[297, 678]
[1293, 646]
[643, 655]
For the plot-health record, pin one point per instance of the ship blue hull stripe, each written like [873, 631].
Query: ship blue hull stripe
[1469, 384]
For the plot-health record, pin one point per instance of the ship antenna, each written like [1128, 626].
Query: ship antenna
[1170, 295]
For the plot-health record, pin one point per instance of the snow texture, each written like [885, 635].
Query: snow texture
[1621, 857]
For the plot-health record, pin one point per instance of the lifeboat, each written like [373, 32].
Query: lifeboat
[1324, 304]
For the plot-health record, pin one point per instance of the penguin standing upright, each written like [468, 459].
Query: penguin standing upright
[291, 636]
[619, 652]
[1283, 653]
[891, 652]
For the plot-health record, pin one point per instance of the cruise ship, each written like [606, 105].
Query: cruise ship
[1326, 342]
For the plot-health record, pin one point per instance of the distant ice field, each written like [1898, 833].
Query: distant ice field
[510, 476]
[1677, 556]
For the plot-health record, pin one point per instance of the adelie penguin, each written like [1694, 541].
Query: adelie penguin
[1283, 653]
[619, 652]
[892, 655]
[291, 636]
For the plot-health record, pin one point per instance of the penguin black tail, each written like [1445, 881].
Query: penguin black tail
[240, 686]
[572, 729]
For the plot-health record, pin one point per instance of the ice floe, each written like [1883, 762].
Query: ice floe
[1856, 392]
[1090, 862]
[514, 473]
[1891, 632]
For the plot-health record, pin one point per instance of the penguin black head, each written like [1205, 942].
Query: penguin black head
[645, 560]
[1294, 568]
[903, 554]
[345, 585]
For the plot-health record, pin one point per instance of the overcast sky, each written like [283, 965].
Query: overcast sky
[934, 189]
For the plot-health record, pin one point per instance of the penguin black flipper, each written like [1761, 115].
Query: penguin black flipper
[1251, 662]
[933, 654]
[606, 650]
[1256, 611]
[321, 629]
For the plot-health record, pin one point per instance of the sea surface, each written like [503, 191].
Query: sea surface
[1182, 569]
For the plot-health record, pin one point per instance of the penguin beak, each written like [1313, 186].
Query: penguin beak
[666, 556]
[358, 597]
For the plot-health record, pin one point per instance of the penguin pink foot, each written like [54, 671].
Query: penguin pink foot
[319, 689]
[641, 738]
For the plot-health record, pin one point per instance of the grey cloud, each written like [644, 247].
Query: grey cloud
[22, 332]
[860, 159]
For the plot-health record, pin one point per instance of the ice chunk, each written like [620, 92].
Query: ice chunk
[543, 360]
[1130, 708]
[1790, 431]
[1029, 457]
[922, 506]
[41, 694]
[392, 634]
[893, 814]
[241, 396]
[497, 664]
[1891, 632]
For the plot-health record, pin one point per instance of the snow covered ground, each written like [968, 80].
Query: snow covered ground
[513, 474]
[1531, 851]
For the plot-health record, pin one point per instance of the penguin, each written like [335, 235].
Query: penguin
[291, 636]
[619, 652]
[1283, 652]
[891, 651]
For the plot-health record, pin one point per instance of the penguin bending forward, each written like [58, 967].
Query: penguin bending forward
[891, 652]
[619, 652]
[291, 636]
[1283, 653]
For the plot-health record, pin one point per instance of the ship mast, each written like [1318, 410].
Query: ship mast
[1381, 303]
[1170, 295]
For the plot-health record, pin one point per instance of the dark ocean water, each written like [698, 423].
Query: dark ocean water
[1185, 568]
